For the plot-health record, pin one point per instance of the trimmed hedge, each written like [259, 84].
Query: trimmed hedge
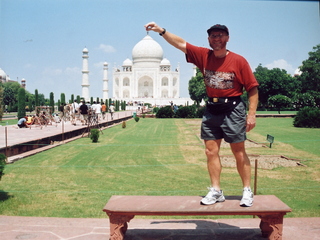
[308, 117]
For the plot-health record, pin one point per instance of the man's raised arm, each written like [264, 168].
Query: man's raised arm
[172, 39]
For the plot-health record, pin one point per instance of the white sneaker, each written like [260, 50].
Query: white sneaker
[212, 197]
[247, 198]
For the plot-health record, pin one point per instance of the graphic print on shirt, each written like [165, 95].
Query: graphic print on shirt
[219, 80]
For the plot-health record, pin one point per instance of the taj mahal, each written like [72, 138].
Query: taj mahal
[147, 78]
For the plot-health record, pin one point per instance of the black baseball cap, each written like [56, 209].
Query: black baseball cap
[218, 27]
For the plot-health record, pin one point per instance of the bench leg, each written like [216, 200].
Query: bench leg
[271, 226]
[118, 225]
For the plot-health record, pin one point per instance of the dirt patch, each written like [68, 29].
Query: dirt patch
[263, 161]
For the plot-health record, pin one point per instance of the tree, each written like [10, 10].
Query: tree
[36, 98]
[279, 101]
[63, 98]
[197, 88]
[42, 100]
[8, 96]
[310, 76]
[273, 82]
[21, 103]
[2, 164]
[30, 101]
[1, 103]
[301, 100]
[13, 97]
[51, 102]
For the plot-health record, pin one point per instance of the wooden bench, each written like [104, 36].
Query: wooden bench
[121, 209]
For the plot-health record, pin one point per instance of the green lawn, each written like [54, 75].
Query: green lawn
[153, 157]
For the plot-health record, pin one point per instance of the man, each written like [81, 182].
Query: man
[103, 110]
[75, 112]
[22, 123]
[111, 110]
[84, 113]
[225, 75]
[98, 110]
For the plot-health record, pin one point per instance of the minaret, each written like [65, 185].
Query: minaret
[105, 81]
[23, 83]
[85, 75]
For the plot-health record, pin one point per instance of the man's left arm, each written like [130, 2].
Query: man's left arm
[253, 103]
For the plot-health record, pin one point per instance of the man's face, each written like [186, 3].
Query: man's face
[218, 40]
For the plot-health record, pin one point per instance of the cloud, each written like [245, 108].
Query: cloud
[72, 71]
[297, 72]
[48, 71]
[107, 48]
[282, 64]
[98, 65]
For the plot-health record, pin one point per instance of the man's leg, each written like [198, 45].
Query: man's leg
[244, 169]
[214, 168]
[243, 162]
[213, 162]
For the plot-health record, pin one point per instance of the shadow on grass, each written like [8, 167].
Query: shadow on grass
[4, 196]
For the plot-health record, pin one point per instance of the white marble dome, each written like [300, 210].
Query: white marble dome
[165, 62]
[127, 62]
[3, 75]
[146, 49]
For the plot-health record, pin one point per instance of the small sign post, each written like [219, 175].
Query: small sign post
[270, 139]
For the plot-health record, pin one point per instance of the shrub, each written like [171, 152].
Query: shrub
[308, 117]
[2, 164]
[186, 112]
[136, 118]
[200, 112]
[165, 112]
[155, 109]
[94, 135]
[279, 101]
[124, 124]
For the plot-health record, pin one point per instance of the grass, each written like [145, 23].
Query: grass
[153, 157]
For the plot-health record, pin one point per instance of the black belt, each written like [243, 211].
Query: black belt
[223, 99]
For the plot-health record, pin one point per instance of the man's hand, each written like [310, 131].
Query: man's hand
[171, 38]
[251, 122]
[152, 26]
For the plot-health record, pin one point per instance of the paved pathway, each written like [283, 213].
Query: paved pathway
[44, 228]
[11, 135]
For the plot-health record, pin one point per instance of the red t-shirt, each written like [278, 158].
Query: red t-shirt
[223, 77]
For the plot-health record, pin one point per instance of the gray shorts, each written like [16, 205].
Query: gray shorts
[230, 126]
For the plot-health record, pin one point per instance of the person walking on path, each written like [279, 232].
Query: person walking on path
[103, 110]
[111, 110]
[225, 75]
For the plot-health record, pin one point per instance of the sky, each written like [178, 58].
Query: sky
[42, 40]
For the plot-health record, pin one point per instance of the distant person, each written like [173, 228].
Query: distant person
[75, 114]
[111, 110]
[103, 110]
[22, 123]
[84, 113]
[98, 110]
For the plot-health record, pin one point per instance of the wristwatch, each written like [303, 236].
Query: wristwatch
[163, 32]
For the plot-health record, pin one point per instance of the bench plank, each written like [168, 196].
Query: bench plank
[121, 209]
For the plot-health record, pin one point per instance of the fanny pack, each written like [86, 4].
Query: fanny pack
[222, 105]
